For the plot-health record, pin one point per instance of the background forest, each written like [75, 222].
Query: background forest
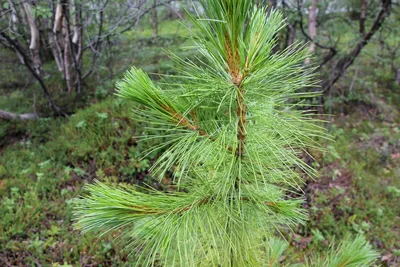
[61, 127]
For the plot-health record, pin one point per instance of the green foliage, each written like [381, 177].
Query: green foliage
[233, 139]
[351, 252]
[355, 193]
[274, 249]
[41, 175]
[42, 169]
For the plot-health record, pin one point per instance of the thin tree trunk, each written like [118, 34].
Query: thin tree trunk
[58, 44]
[14, 16]
[62, 51]
[332, 49]
[290, 28]
[58, 19]
[154, 19]
[67, 58]
[363, 16]
[67, 55]
[72, 52]
[56, 52]
[35, 39]
[75, 18]
[77, 43]
[312, 27]
[292, 33]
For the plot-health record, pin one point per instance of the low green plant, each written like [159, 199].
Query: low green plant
[42, 173]
[352, 251]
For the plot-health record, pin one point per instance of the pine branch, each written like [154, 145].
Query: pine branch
[136, 87]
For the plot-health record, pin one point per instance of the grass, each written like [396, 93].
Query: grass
[170, 28]
[39, 181]
[358, 188]
[357, 191]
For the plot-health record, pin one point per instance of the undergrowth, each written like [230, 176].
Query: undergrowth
[45, 163]
[38, 181]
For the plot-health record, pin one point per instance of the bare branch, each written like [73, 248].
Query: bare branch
[5, 115]
[29, 64]
[97, 43]
[346, 61]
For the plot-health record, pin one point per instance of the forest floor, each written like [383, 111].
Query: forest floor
[45, 163]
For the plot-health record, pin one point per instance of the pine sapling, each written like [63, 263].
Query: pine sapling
[235, 126]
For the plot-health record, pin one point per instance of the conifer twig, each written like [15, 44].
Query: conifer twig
[185, 122]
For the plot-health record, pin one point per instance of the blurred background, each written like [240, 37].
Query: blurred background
[61, 126]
